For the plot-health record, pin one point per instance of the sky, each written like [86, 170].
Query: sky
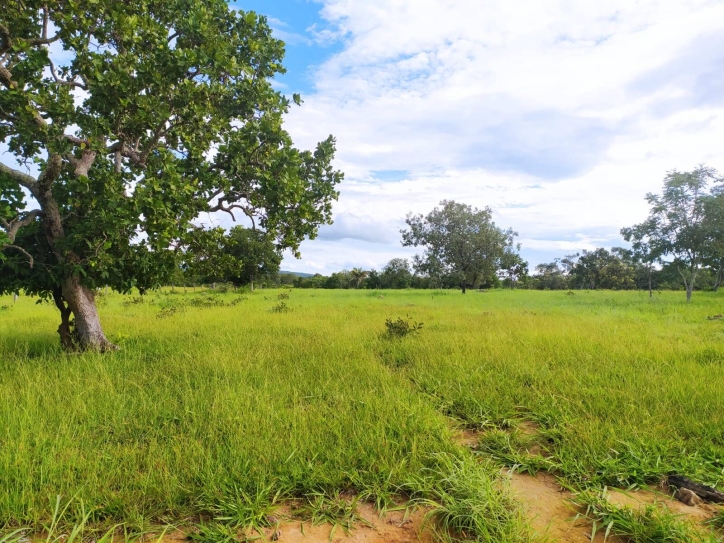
[560, 115]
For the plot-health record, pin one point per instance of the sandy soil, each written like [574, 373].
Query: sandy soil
[394, 527]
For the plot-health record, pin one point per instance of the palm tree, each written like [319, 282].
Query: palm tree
[358, 275]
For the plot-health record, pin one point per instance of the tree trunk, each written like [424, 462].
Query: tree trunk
[651, 294]
[689, 282]
[463, 287]
[252, 285]
[88, 330]
[65, 330]
[88, 333]
[719, 278]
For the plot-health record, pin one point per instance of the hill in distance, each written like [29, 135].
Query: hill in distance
[298, 274]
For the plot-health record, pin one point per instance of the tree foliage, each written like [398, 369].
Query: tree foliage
[136, 117]
[460, 241]
[241, 256]
[684, 222]
[602, 269]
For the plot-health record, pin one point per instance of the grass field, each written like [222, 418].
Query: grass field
[220, 404]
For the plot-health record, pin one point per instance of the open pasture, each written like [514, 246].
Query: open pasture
[220, 405]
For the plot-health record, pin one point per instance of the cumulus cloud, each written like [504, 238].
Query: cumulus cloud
[589, 102]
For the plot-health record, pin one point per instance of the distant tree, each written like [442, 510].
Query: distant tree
[513, 268]
[602, 269]
[342, 280]
[677, 226]
[396, 274]
[550, 276]
[286, 279]
[460, 241]
[207, 258]
[259, 254]
[316, 281]
[241, 256]
[358, 276]
[642, 252]
[372, 281]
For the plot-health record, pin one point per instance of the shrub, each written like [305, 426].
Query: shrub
[402, 327]
[281, 307]
[136, 300]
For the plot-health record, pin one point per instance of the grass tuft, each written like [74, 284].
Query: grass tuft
[648, 524]
[468, 502]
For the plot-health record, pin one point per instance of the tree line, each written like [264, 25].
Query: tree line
[679, 246]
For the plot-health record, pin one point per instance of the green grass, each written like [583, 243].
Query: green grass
[222, 406]
[649, 524]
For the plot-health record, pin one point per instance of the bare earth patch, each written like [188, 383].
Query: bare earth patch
[550, 511]
[394, 527]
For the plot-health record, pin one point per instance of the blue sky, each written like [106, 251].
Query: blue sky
[560, 116]
[292, 21]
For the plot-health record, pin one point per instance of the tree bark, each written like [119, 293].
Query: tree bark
[65, 330]
[88, 329]
[463, 287]
[252, 285]
[651, 294]
[688, 283]
[719, 278]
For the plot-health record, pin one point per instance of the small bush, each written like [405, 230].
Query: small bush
[402, 327]
[283, 296]
[170, 311]
[136, 300]
[206, 301]
[281, 307]
[570, 293]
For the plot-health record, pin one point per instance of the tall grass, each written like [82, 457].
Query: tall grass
[223, 409]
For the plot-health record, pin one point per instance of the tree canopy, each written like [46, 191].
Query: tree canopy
[126, 121]
[684, 222]
[459, 240]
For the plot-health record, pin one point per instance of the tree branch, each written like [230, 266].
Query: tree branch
[60, 81]
[52, 170]
[125, 151]
[12, 227]
[23, 179]
[227, 209]
[20, 249]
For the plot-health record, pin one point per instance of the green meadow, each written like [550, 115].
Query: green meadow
[220, 405]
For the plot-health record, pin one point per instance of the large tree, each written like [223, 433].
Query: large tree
[677, 226]
[460, 241]
[126, 121]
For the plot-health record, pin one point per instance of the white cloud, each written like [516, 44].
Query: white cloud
[478, 101]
